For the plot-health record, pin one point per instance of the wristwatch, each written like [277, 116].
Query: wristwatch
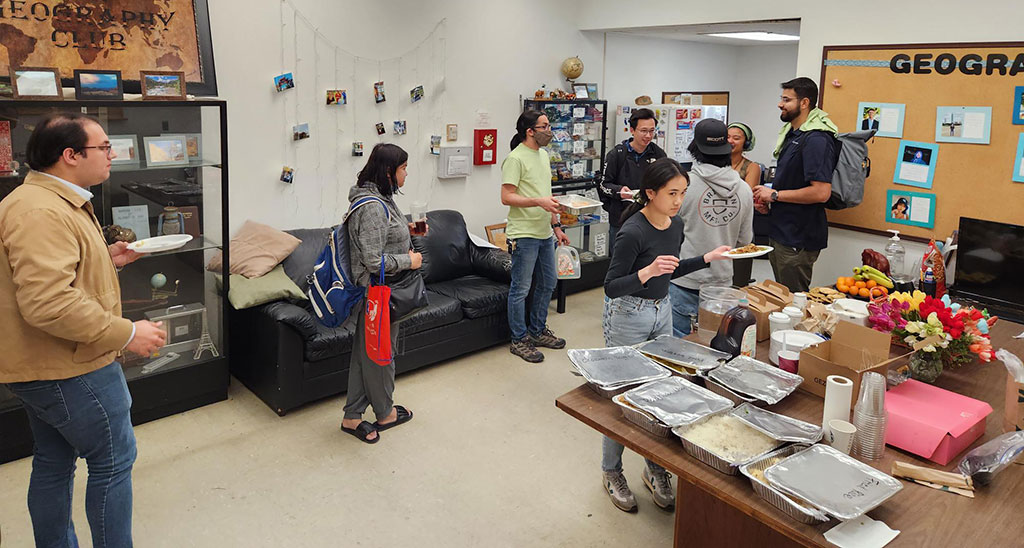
[775, 196]
[556, 225]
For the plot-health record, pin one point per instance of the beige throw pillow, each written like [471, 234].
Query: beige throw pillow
[256, 249]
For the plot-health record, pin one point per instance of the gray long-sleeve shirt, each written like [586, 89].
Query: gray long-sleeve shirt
[372, 235]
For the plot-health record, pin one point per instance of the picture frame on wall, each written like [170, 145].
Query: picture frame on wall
[124, 149]
[166, 150]
[592, 92]
[36, 83]
[915, 164]
[98, 85]
[1018, 106]
[910, 208]
[162, 85]
[957, 124]
[1018, 162]
[580, 90]
[885, 118]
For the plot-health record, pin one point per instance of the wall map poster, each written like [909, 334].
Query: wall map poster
[125, 35]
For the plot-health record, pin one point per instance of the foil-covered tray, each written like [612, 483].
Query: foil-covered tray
[756, 379]
[676, 401]
[615, 367]
[642, 418]
[834, 482]
[778, 426]
[804, 513]
[723, 462]
[683, 352]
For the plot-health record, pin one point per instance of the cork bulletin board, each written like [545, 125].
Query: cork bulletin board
[969, 180]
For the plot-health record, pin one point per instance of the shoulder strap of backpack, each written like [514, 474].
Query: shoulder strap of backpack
[363, 201]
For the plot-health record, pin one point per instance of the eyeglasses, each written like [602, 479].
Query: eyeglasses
[646, 131]
[545, 126]
[104, 148]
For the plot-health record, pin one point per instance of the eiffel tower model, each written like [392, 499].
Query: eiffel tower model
[205, 341]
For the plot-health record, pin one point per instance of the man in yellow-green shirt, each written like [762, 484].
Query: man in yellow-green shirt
[532, 230]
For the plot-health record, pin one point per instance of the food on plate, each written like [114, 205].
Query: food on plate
[729, 438]
[749, 248]
[827, 295]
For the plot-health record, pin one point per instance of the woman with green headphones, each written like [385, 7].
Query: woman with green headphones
[741, 138]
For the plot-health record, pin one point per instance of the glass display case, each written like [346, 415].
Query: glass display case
[169, 177]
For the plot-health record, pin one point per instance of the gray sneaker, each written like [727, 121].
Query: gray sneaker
[618, 491]
[660, 486]
[525, 350]
[547, 339]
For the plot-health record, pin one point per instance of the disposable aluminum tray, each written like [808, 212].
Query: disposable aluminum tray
[683, 352]
[642, 419]
[778, 426]
[707, 457]
[756, 379]
[615, 367]
[676, 401]
[775, 497]
[608, 392]
[832, 481]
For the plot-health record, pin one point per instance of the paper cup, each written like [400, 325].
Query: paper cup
[789, 360]
[840, 435]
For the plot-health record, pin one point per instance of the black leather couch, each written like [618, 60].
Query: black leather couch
[287, 358]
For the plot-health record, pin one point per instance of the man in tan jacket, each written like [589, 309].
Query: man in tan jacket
[60, 312]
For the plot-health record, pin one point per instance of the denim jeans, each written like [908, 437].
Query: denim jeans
[533, 264]
[87, 416]
[684, 309]
[628, 321]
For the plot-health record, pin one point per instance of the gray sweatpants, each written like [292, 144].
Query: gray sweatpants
[369, 383]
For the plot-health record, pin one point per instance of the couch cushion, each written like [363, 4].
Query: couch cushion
[255, 250]
[479, 296]
[272, 286]
[299, 264]
[445, 248]
[441, 311]
[329, 342]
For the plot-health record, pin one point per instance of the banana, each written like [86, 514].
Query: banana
[859, 277]
[871, 270]
[858, 270]
[881, 279]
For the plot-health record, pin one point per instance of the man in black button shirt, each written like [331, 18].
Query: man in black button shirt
[807, 154]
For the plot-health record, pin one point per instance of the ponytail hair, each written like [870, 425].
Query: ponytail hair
[656, 175]
[526, 121]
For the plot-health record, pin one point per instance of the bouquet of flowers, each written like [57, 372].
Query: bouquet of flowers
[942, 333]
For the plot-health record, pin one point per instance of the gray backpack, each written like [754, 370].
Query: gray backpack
[852, 169]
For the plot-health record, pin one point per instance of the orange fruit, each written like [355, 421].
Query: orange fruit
[861, 284]
[871, 283]
[842, 288]
[850, 281]
[864, 292]
[854, 290]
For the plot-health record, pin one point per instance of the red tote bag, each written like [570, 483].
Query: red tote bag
[378, 321]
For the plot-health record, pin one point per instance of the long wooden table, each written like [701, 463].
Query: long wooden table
[713, 509]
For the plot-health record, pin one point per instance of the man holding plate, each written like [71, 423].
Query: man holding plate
[60, 305]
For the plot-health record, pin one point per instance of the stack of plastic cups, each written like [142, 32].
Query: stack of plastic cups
[870, 418]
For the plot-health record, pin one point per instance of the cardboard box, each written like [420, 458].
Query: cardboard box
[774, 292]
[760, 306]
[931, 422]
[852, 351]
[1013, 411]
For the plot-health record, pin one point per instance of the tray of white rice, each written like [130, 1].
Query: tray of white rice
[681, 352]
[676, 401]
[755, 379]
[724, 442]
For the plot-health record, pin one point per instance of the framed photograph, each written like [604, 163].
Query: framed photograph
[193, 143]
[451, 132]
[124, 149]
[592, 92]
[496, 235]
[284, 81]
[910, 208]
[885, 118]
[1018, 162]
[162, 85]
[1018, 105]
[963, 125]
[98, 85]
[580, 90]
[337, 97]
[36, 83]
[166, 150]
[915, 164]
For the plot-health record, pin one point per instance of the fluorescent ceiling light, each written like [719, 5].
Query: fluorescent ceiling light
[760, 36]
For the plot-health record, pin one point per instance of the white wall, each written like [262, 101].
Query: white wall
[755, 97]
[493, 54]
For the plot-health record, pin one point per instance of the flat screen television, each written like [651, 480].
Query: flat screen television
[990, 263]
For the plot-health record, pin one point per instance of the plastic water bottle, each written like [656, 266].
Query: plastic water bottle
[928, 284]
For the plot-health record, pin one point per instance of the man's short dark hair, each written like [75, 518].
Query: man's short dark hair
[53, 135]
[717, 160]
[804, 88]
[641, 114]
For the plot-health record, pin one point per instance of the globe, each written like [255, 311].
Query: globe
[572, 68]
[158, 280]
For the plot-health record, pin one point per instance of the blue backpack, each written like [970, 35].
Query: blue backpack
[332, 292]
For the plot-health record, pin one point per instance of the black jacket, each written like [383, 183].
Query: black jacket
[623, 168]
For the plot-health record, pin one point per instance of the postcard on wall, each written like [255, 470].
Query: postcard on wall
[1018, 105]
[435, 145]
[910, 208]
[1018, 163]
[886, 118]
[915, 164]
[135, 217]
[963, 124]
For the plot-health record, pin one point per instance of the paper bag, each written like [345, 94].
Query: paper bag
[819, 319]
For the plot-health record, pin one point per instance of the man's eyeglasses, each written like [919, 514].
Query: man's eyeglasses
[645, 131]
[542, 128]
[103, 148]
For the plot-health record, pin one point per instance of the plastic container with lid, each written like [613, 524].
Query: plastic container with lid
[715, 301]
[896, 254]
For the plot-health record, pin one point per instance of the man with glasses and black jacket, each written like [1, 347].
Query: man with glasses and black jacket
[624, 167]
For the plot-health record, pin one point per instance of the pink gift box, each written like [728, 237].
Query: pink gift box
[931, 422]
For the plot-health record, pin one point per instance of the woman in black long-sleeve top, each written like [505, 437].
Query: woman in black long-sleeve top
[637, 308]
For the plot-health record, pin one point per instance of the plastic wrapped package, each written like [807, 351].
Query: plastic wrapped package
[989, 458]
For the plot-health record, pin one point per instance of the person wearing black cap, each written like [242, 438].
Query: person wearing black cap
[718, 210]
[624, 168]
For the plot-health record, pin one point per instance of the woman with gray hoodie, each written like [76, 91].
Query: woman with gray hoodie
[718, 210]
[375, 234]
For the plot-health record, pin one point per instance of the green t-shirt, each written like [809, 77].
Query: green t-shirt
[530, 171]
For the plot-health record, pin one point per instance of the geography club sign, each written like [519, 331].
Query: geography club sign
[71, 22]
[972, 64]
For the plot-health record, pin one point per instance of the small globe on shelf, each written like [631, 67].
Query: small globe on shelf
[572, 68]
[158, 280]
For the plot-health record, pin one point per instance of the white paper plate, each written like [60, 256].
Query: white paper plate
[160, 243]
[795, 340]
[766, 249]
